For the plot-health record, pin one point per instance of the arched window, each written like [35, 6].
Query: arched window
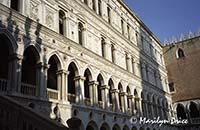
[52, 79]
[136, 101]
[88, 78]
[181, 114]
[122, 26]
[99, 8]
[128, 31]
[180, 53]
[105, 126]
[14, 4]
[194, 112]
[29, 70]
[61, 22]
[112, 53]
[109, 15]
[103, 47]
[80, 33]
[125, 127]
[129, 104]
[71, 82]
[94, 5]
[6, 49]
[116, 127]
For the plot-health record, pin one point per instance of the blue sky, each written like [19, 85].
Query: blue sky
[167, 18]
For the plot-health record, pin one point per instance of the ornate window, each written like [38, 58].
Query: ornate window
[61, 22]
[108, 13]
[99, 8]
[94, 5]
[14, 4]
[80, 33]
[103, 47]
[180, 53]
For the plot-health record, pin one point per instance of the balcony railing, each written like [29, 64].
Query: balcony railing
[3, 85]
[28, 89]
[71, 97]
[52, 93]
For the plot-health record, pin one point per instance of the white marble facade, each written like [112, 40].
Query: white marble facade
[101, 36]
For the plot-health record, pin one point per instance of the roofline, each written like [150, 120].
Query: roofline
[140, 21]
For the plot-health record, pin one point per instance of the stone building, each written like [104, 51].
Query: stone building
[183, 65]
[89, 59]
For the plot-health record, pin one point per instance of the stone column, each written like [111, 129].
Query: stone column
[115, 96]
[146, 106]
[105, 97]
[62, 81]
[123, 102]
[79, 89]
[14, 74]
[152, 110]
[42, 80]
[93, 93]
[133, 105]
[129, 101]
[140, 106]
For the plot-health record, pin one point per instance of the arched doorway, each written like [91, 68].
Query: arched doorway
[105, 126]
[99, 89]
[4, 53]
[73, 72]
[116, 127]
[125, 127]
[29, 71]
[87, 93]
[52, 77]
[92, 126]
[181, 114]
[129, 100]
[111, 100]
[134, 128]
[194, 112]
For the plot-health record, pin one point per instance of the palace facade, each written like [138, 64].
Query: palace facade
[93, 60]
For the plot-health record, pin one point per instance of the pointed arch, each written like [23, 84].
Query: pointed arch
[88, 79]
[125, 127]
[9, 40]
[194, 110]
[92, 126]
[111, 87]
[116, 127]
[134, 128]
[105, 126]
[180, 53]
[181, 114]
[73, 72]
[100, 81]
[29, 71]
